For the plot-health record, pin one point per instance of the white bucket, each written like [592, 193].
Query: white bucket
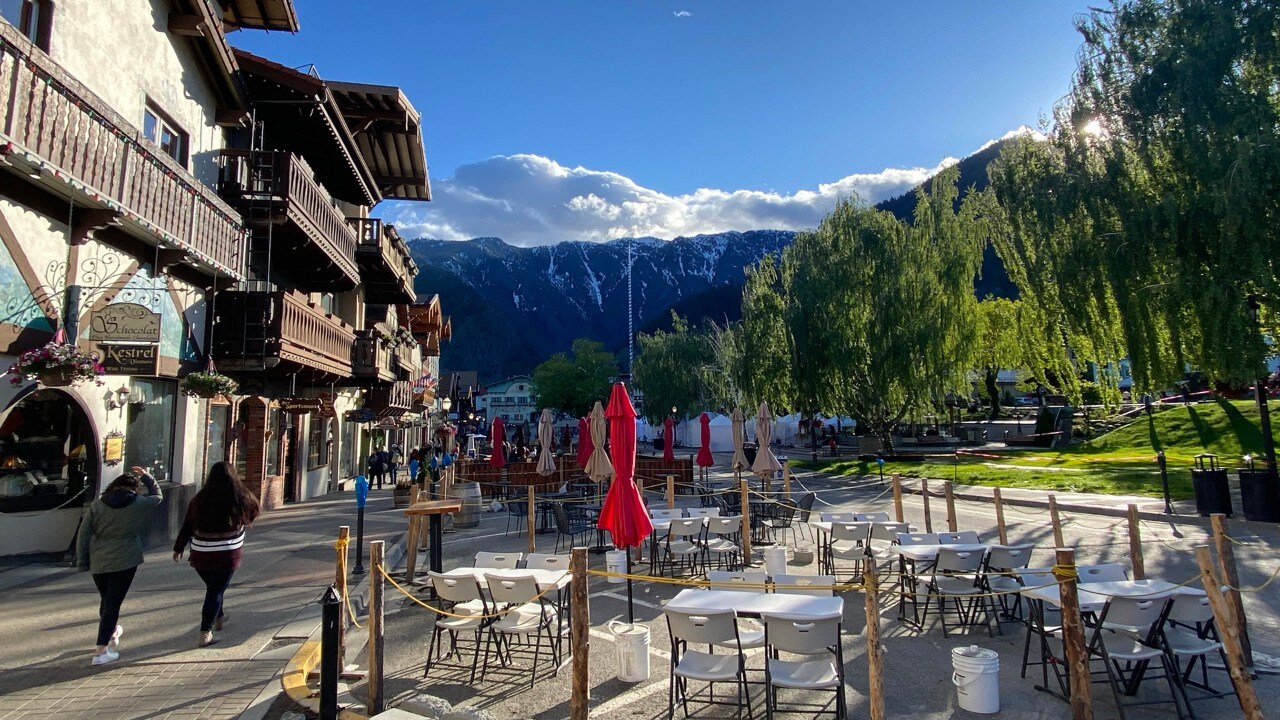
[976, 675]
[632, 644]
[775, 560]
[615, 561]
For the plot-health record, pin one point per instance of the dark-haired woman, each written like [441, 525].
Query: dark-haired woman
[214, 527]
[110, 547]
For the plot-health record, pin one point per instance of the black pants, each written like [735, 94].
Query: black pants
[394, 468]
[112, 587]
[376, 480]
[215, 584]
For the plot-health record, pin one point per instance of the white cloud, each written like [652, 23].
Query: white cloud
[533, 200]
[682, 13]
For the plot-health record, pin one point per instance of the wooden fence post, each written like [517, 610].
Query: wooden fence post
[1000, 528]
[1229, 576]
[897, 497]
[530, 521]
[580, 627]
[377, 583]
[671, 492]
[1135, 544]
[1073, 636]
[340, 582]
[924, 494]
[746, 518]
[875, 669]
[1057, 523]
[1230, 637]
[951, 507]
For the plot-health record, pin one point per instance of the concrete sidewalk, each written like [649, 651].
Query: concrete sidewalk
[50, 619]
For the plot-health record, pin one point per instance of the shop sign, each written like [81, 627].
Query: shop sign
[326, 408]
[130, 359]
[299, 405]
[125, 322]
[113, 448]
[363, 415]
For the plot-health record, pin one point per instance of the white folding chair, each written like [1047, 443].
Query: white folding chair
[1108, 572]
[999, 576]
[546, 561]
[820, 585]
[1126, 639]
[710, 627]
[821, 667]
[462, 599]
[849, 541]
[871, 517]
[838, 516]
[525, 613]
[666, 513]
[724, 541]
[497, 560]
[748, 580]
[704, 512]
[883, 538]
[955, 579]
[683, 545]
[964, 537]
[1190, 635]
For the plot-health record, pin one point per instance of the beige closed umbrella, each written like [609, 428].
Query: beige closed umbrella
[766, 464]
[599, 467]
[739, 461]
[546, 431]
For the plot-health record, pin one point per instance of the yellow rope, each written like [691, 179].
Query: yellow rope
[1274, 574]
[440, 611]
[1065, 573]
[341, 547]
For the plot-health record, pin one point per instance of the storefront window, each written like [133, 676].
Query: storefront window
[216, 437]
[273, 441]
[346, 453]
[46, 449]
[149, 431]
[317, 443]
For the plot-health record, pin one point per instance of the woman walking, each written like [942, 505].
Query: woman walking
[110, 547]
[214, 526]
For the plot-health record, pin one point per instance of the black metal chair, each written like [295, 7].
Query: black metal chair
[518, 511]
[803, 509]
[566, 526]
[780, 519]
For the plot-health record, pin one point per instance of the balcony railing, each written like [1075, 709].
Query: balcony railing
[56, 124]
[387, 268]
[372, 359]
[285, 183]
[391, 400]
[262, 331]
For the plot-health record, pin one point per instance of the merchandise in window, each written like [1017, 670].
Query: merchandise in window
[317, 443]
[150, 417]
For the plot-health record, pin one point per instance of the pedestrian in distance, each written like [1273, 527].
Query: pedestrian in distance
[214, 527]
[414, 464]
[394, 460]
[110, 547]
[377, 466]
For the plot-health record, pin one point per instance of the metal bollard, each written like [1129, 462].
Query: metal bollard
[330, 660]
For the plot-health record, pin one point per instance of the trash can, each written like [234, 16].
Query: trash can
[749, 452]
[1213, 494]
[631, 643]
[975, 672]
[615, 561]
[1260, 494]
[469, 494]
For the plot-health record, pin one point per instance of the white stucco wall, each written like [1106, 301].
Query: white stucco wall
[121, 49]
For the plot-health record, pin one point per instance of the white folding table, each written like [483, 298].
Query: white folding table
[753, 604]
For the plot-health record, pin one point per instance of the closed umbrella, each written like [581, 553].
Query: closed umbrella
[739, 461]
[498, 458]
[766, 464]
[546, 431]
[704, 458]
[669, 441]
[584, 442]
[599, 468]
[624, 514]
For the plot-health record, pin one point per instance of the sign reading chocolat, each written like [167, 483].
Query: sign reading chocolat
[125, 322]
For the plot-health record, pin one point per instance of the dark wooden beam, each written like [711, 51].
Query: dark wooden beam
[186, 25]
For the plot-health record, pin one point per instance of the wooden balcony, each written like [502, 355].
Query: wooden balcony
[386, 268]
[391, 400]
[66, 137]
[280, 332]
[312, 246]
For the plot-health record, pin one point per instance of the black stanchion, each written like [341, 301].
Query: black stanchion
[330, 662]
[1164, 482]
[359, 568]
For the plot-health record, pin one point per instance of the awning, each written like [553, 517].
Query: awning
[388, 132]
[260, 15]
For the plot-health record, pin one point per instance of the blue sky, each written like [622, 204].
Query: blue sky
[559, 120]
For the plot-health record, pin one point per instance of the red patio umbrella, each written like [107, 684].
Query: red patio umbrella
[624, 514]
[669, 441]
[704, 458]
[498, 459]
[584, 442]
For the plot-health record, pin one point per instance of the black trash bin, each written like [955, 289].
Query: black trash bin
[1260, 494]
[749, 452]
[1213, 494]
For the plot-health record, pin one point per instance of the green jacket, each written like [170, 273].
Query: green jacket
[112, 531]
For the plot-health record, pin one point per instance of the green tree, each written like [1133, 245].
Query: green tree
[677, 369]
[999, 345]
[574, 383]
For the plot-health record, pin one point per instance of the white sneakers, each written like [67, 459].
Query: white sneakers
[115, 637]
[105, 657]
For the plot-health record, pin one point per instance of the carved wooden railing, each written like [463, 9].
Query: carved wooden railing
[287, 182]
[386, 255]
[371, 358]
[58, 125]
[252, 330]
[311, 336]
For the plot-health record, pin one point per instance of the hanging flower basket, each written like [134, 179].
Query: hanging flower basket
[56, 365]
[208, 384]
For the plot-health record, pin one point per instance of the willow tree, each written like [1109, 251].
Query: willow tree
[1146, 223]
[680, 369]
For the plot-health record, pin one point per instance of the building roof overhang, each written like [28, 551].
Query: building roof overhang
[388, 131]
[260, 15]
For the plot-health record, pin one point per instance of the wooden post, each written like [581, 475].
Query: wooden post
[1073, 636]
[875, 671]
[746, 518]
[1000, 528]
[377, 583]
[897, 497]
[1229, 576]
[530, 521]
[786, 479]
[1135, 544]
[1057, 523]
[671, 492]
[951, 507]
[340, 582]
[424, 528]
[1230, 637]
[411, 546]
[580, 627]
[928, 516]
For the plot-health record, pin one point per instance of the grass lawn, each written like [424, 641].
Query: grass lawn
[1120, 462]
